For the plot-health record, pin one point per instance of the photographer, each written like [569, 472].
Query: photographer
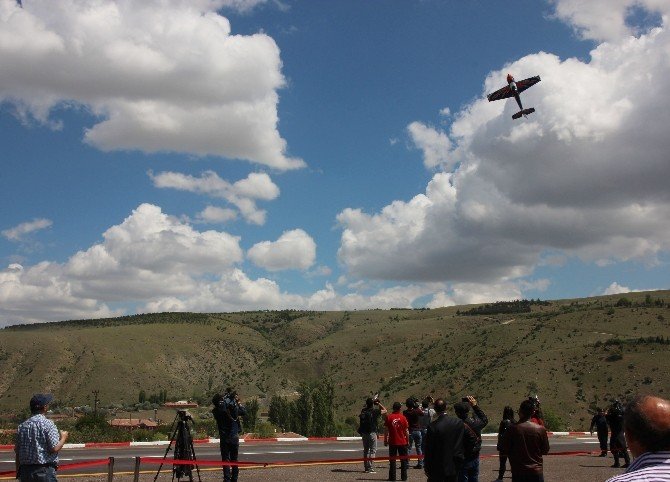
[227, 412]
[367, 428]
[472, 438]
[414, 415]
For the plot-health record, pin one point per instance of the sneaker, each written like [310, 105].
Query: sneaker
[625, 466]
[418, 466]
[615, 466]
[372, 471]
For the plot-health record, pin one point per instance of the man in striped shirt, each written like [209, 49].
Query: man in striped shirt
[647, 428]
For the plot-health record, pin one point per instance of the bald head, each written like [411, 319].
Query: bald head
[647, 424]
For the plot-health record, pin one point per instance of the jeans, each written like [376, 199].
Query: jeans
[229, 453]
[369, 449]
[35, 473]
[470, 471]
[394, 451]
[415, 437]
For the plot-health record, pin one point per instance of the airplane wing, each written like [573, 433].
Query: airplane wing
[503, 93]
[526, 83]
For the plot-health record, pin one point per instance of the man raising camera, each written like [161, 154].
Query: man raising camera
[367, 428]
[227, 413]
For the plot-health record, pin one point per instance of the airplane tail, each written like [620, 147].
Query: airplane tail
[523, 112]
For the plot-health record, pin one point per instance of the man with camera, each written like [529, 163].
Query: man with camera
[396, 437]
[227, 413]
[414, 414]
[473, 437]
[367, 428]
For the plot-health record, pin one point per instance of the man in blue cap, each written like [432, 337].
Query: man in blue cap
[37, 443]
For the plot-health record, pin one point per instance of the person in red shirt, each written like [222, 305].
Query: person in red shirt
[396, 437]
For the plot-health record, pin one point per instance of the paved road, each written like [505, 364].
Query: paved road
[294, 452]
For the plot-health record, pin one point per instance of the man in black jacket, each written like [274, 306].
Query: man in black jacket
[473, 437]
[227, 412]
[600, 422]
[443, 456]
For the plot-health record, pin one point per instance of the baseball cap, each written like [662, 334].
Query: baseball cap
[39, 400]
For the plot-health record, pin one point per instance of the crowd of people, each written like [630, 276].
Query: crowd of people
[447, 446]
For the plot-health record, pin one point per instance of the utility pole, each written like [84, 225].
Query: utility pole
[95, 403]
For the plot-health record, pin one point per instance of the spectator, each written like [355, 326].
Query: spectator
[427, 417]
[537, 416]
[38, 443]
[396, 437]
[414, 414]
[227, 412]
[367, 428]
[599, 421]
[443, 455]
[505, 423]
[473, 438]
[617, 440]
[525, 443]
[647, 427]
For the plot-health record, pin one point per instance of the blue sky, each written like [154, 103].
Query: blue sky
[262, 154]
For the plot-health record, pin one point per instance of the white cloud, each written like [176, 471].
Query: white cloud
[18, 232]
[605, 20]
[434, 144]
[242, 194]
[615, 288]
[159, 75]
[294, 249]
[216, 215]
[585, 176]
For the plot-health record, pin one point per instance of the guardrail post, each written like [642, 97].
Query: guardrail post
[137, 469]
[110, 469]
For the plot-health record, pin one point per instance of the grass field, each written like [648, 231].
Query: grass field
[572, 353]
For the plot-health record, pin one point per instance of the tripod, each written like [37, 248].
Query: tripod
[183, 448]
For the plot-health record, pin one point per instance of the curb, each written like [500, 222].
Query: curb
[89, 445]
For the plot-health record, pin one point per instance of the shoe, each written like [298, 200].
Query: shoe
[625, 466]
[615, 466]
[603, 454]
[418, 466]
[372, 471]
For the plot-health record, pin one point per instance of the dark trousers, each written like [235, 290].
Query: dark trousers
[501, 467]
[229, 453]
[602, 438]
[527, 477]
[37, 473]
[394, 451]
[444, 478]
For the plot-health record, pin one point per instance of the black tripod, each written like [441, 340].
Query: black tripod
[183, 448]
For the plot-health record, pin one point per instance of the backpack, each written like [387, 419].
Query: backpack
[367, 422]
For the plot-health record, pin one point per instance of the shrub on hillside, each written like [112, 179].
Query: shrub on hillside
[552, 421]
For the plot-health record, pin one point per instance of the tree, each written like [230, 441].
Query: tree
[252, 414]
[142, 397]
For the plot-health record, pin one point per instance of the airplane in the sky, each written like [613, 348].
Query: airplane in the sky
[513, 89]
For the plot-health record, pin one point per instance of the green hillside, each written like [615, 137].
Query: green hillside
[572, 353]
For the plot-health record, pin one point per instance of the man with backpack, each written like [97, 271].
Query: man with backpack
[472, 441]
[367, 428]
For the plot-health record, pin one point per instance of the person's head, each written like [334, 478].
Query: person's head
[600, 411]
[397, 406]
[216, 399]
[526, 410]
[508, 413]
[410, 402]
[425, 403]
[462, 409]
[440, 405]
[40, 402]
[647, 424]
[369, 402]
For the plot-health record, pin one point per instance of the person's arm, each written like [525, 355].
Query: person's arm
[484, 421]
[545, 443]
[593, 422]
[382, 408]
[63, 438]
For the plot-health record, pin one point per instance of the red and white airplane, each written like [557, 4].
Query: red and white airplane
[513, 89]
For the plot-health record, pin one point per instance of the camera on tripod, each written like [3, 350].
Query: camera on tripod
[183, 447]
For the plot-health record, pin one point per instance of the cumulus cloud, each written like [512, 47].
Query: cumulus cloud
[158, 75]
[18, 232]
[435, 144]
[242, 194]
[583, 177]
[615, 289]
[216, 215]
[294, 249]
